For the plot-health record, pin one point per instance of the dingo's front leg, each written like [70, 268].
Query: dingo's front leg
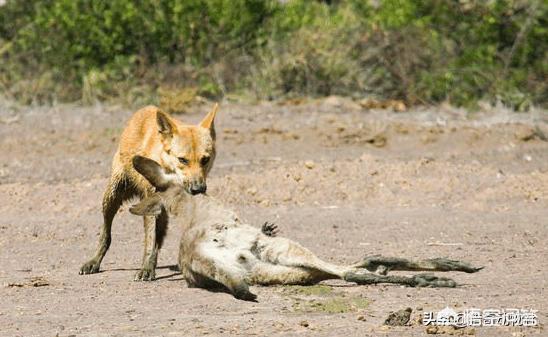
[150, 253]
[155, 231]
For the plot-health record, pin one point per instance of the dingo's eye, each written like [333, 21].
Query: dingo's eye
[183, 160]
[204, 161]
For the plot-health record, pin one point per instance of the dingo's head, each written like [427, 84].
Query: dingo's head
[188, 150]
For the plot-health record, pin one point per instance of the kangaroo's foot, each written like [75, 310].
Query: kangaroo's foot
[383, 264]
[432, 281]
[442, 264]
[269, 229]
[420, 280]
[90, 267]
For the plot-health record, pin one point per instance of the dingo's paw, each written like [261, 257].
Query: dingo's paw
[145, 274]
[90, 267]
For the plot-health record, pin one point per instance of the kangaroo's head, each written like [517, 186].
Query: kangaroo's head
[168, 190]
[188, 150]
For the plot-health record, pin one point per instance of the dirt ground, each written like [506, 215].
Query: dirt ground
[343, 181]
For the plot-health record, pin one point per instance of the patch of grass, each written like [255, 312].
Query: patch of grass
[314, 290]
[322, 298]
[331, 305]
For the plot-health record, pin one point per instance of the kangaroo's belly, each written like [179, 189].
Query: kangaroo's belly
[232, 248]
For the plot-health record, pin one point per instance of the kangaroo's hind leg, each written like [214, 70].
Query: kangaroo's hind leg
[288, 253]
[383, 264]
[285, 252]
[265, 273]
[420, 280]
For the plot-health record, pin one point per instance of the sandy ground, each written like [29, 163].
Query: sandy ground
[342, 181]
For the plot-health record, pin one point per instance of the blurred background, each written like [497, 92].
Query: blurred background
[170, 51]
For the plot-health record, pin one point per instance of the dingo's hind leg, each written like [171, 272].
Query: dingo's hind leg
[118, 190]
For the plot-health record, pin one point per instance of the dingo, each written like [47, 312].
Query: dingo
[186, 152]
[218, 249]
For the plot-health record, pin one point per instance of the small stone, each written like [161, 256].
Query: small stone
[309, 164]
[361, 318]
[526, 133]
[304, 323]
[379, 140]
[252, 190]
[431, 330]
[399, 318]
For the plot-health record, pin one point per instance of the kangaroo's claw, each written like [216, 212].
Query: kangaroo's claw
[269, 229]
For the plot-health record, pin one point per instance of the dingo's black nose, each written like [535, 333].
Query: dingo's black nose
[198, 188]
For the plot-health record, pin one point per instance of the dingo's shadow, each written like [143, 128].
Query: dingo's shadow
[173, 267]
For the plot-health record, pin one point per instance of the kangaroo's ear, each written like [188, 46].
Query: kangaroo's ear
[148, 206]
[209, 120]
[165, 125]
[152, 171]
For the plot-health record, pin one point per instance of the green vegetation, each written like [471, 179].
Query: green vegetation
[423, 52]
[313, 290]
[322, 298]
[336, 305]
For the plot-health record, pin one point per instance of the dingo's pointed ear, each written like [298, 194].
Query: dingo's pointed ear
[209, 119]
[152, 171]
[148, 206]
[165, 126]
